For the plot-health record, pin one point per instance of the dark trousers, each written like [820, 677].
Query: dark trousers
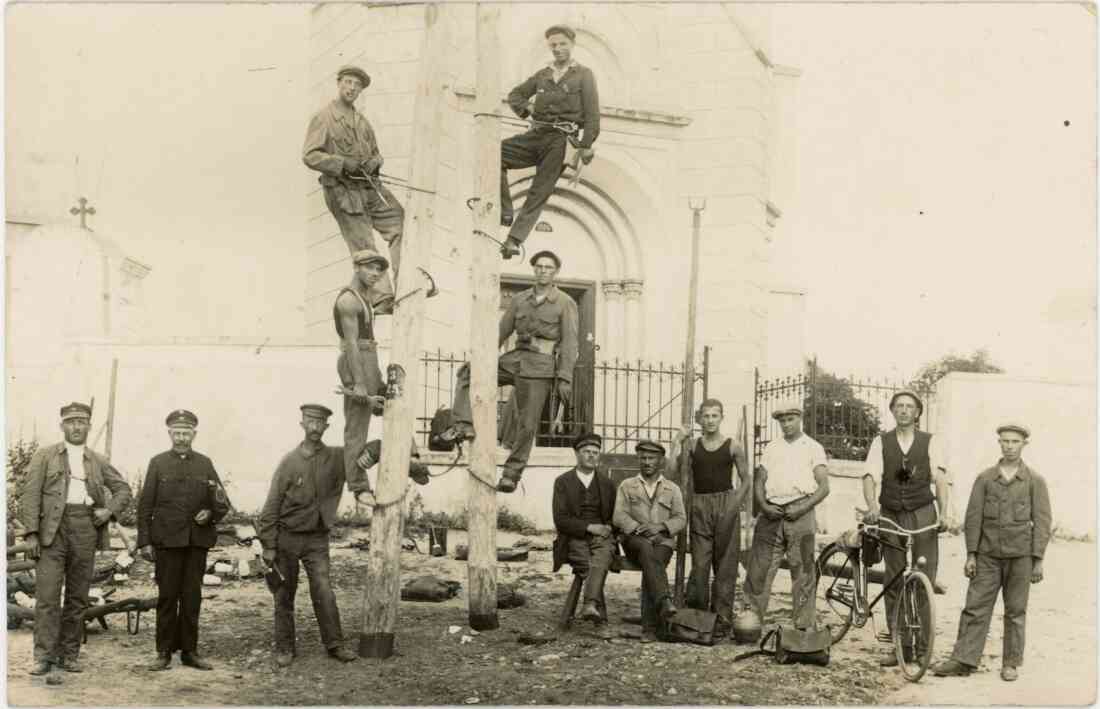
[311, 549]
[530, 395]
[68, 560]
[1012, 577]
[926, 544]
[358, 229]
[653, 558]
[715, 545]
[543, 149]
[357, 415]
[772, 539]
[591, 558]
[179, 597]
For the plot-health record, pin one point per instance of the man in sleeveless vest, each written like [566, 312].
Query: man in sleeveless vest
[1008, 522]
[359, 373]
[905, 463]
[715, 513]
[340, 144]
[791, 479]
[583, 503]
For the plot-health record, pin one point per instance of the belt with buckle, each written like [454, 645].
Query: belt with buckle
[541, 344]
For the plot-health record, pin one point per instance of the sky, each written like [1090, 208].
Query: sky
[943, 205]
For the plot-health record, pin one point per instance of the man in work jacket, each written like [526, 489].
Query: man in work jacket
[564, 92]
[905, 463]
[65, 509]
[1008, 522]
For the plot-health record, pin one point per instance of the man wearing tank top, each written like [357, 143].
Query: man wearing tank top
[715, 513]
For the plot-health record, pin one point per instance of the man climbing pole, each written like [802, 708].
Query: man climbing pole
[566, 100]
[340, 144]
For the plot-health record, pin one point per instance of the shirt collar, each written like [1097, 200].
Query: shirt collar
[70, 449]
[551, 295]
[554, 67]
[307, 450]
[656, 483]
[584, 475]
[341, 113]
[1022, 472]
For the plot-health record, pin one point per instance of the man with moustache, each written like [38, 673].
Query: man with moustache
[649, 511]
[181, 502]
[65, 510]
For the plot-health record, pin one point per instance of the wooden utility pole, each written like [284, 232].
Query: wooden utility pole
[481, 506]
[111, 409]
[382, 586]
[688, 411]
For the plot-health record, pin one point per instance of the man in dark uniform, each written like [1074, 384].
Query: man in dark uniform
[181, 502]
[545, 320]
[715, 513]
[583, 503]
[564, 92]
[65, 510]
[1008, 521]
[341, 145]
[294, 525]
[906, 463]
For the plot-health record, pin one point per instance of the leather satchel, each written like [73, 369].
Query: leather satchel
[806, 647]
[690, 625]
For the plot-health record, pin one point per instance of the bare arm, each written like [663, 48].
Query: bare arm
[348, 308]
[743, 473]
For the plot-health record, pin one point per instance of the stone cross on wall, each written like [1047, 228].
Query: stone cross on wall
[83, 210]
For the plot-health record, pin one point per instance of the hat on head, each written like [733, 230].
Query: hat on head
[368, 256]
[909, 393]
[356, 72]
[181, 418]
[587, 439]
[649, 446]
[548, 254]
[76, 410]
[561, 29]
[784, 408]
[1017, 427]
[316, 410]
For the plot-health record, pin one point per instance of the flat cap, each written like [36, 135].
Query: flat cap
[561, 29]
[587, 439]
[76, 410]
[911, 394]
[354, 71]
[316, 410]
[181, 418]
[1017, 427]
[784, 408]
[649, 446]
[548, 254]
[369, 256]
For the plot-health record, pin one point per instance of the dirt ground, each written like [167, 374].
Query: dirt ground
[580, 666]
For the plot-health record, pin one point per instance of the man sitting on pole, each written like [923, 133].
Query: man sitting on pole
[545, 321]
[566, 100]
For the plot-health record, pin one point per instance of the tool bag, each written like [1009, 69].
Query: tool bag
[794, 646]
[690, 625]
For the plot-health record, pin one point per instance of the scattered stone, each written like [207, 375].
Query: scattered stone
[454, 629]
[525, 639]
[465, 639]
[472, 700]
[549, 658]
[672, 691]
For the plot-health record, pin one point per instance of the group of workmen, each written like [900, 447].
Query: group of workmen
[65, 505]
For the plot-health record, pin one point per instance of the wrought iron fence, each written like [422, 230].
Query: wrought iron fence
[844, 414]
[622, 401]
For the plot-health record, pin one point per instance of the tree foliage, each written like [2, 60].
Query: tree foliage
[19, 460]
[977, 361]
[835, 416]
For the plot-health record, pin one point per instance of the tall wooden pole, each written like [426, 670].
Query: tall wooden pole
[688, 411]
[382, 587]
[481, 504]
[111, 408]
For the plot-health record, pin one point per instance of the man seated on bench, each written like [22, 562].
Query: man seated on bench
[584, 499]
[649, 510]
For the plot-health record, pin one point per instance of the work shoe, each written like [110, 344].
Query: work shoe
[419, 473]
[510, 248]
[193, 659]
[722, 628]
[506, 219]
[1009, 673]
[951, 668]
[283, 659]
[649, 635]
[591, 612]
[163, 662]
[40, 667]
[71, 665]
[506, 484]
[666, 609]
[383, 307]
[460, 431]
[342, 654]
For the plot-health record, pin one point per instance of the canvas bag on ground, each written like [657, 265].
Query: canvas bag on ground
[692, 626]
[806, 647]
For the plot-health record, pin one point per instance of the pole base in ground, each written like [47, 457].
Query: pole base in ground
[484, 621]
[376, 645]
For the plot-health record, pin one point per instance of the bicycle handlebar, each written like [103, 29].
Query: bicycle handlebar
[902, 531]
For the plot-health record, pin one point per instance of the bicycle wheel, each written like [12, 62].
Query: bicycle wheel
[914, 626]
[835, 594]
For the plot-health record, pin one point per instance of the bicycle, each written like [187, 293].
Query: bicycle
[845, 597]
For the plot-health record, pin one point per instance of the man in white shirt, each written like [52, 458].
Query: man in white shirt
[904, 464]
[791, 480]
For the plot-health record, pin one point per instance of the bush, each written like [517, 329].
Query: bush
[19, 461]
[421, 520]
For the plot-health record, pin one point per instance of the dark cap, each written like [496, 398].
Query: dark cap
[587, 439]
[369, 256]
[561, 29]
[316, 410]
[910, 393]
[650, 446]
[76, 410]
[181, 418]
[356, 72]
[548, 254]
[1017, 427]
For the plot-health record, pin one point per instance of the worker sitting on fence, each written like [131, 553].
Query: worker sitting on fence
[566, 100]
